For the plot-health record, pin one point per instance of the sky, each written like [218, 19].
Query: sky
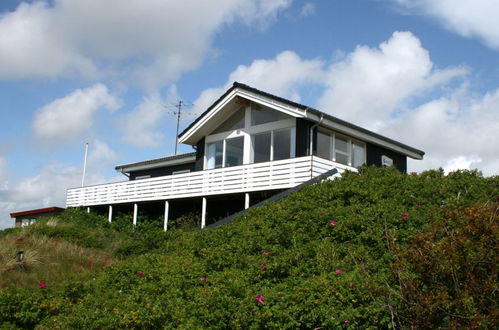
[423, 72]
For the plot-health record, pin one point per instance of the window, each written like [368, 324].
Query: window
[340, 149]
[262, 115]
[234, 151]
[236, 121]
[273, 145]
[24, 222]
[225, 153]
[214, 154]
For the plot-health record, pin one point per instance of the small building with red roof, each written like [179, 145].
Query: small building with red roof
[26, 218]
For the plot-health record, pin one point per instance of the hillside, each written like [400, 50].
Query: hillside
[379, 249]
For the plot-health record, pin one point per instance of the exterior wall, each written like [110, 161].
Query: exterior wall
[160, 171]
[302, 137]
[374, 154]
[199, 155]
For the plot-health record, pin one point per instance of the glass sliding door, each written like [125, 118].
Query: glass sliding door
[214, 155]
[234, 151]
[261, 147]
[282, 144]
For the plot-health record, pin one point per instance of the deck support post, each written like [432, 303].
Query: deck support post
[203, 213]
[88, 209]
[135, 211]
[246, 201]
[165, 223]
[110, 215]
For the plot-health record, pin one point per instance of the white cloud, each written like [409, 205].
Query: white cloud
[149, 41]
[370, 84]
[273, 76]
[308, 9]
[70, 117]
[48, 187]
[477, 18]
[392, 90]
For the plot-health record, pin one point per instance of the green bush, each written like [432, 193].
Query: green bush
[343, 253]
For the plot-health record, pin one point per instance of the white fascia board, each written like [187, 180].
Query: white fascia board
[279, 106]
[363, 136]
[276, 105]
[128, 169]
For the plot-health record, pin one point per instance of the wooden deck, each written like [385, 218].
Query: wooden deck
[273, 175]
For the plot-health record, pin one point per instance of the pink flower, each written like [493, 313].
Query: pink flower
[260, 299]
[264, 267]
[332, 223]
[266, 253]
[338, 271]
[42, 285]
[414, 173]
[441, 190]
[418, 205]
[405, 216]
[355, 213]
[351, 286]
[139, 273]
[346, 321]
[202, 278]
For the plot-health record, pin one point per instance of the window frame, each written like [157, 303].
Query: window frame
[332, 145]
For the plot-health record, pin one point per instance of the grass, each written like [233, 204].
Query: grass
[45, 259]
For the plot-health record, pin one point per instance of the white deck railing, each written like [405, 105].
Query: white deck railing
[281, 174]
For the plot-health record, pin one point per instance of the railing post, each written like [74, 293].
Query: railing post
[246, 200]
[135, 211]
[110, 215]
[165, 223]
[203, 213]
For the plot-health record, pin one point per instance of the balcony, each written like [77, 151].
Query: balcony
[281, 174]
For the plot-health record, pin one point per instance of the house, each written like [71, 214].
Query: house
[26, 218]
[248, 144]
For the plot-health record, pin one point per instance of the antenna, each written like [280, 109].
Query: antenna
[84, 164]
[178, 113]
[179, 107]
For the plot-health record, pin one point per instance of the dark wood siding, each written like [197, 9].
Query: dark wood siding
[374, 153]
[199, 155]
[162, 171]
[302, 137]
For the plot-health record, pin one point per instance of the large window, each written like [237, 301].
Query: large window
[273, 145]
[262, 115]
[236, 121]
[228, 152]
[340, 149]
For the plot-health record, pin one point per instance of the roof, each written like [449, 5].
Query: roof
[307, 111]
[158, 162]
[37, 211]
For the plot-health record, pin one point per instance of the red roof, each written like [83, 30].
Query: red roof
[37, 211]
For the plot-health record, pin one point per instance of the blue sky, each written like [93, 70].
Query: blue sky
[424, 72]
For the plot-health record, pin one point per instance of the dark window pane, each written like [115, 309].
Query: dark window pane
[234, 151]
[282, 144]
[261, 147]
[262, 115]
[323, 145]
[236, 121]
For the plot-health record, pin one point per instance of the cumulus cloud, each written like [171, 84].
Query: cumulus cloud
[391, 89]
[273, 76]
[157, 40]
[369, 84]
[48, 187]
[71, 116]
[471, 19]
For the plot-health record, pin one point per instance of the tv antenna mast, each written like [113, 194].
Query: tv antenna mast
[178, 113]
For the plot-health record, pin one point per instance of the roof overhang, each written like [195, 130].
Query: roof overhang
[37, 211]
[157, 163]
[229, 102]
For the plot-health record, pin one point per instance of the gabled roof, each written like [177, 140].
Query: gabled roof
[37, 211]
[158, 162]
[194, 132]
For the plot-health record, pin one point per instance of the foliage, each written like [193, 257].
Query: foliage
[340, 254]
